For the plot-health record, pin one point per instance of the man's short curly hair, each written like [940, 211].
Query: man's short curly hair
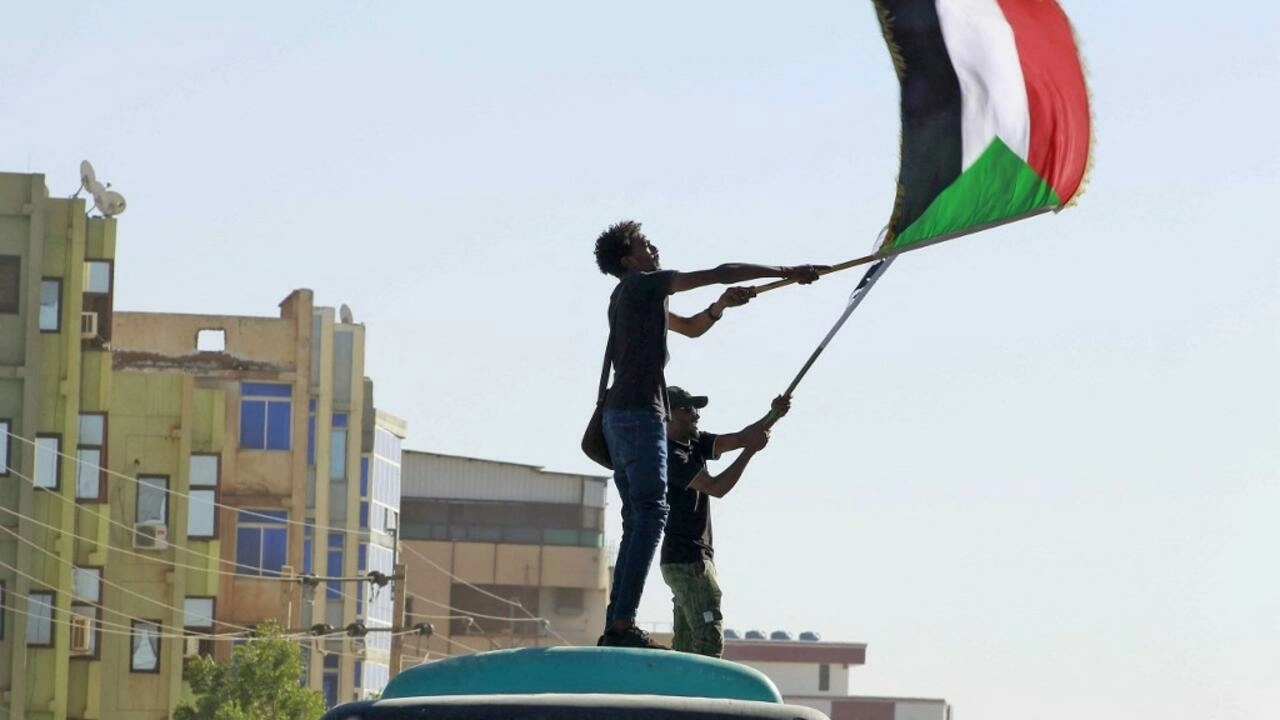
[614, 244]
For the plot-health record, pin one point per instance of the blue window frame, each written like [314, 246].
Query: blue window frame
[266, 416]
[262, 542]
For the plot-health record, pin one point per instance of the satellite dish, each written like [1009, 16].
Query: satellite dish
[111, 204]
[87, 178]
[344, 314]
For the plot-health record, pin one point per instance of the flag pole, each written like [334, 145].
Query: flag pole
[860, 292]
[885, 254]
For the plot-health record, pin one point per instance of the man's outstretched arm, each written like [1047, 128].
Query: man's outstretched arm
[731, 273]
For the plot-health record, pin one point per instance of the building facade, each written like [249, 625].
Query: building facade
[499, 554]
[170, 481]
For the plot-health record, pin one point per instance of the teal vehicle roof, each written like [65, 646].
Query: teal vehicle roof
[584, 670]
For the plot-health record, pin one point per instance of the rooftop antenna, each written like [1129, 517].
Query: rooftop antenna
[109, 202]
[87, 178]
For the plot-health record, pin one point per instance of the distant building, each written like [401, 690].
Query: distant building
[816, 674]
[493, 549]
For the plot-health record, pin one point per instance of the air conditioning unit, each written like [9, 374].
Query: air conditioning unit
[149, 536]
[88, 325]
[81, 634]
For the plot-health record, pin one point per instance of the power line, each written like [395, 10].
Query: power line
[434, 564]
[100, 579]
[182, 548]
[314, 526]
[181, 494]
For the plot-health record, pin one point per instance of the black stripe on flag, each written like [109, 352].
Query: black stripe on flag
[931, 112]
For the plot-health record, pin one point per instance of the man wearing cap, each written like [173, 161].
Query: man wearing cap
[686, 559]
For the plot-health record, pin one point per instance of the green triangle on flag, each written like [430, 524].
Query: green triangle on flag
[997, 188]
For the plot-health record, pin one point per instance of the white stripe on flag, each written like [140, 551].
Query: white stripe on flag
[993, 94]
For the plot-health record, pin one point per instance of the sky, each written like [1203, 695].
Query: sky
[1037, 470]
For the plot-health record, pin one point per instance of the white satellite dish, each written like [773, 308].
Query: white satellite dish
[112, 203]
[344, 314]
[87, 178]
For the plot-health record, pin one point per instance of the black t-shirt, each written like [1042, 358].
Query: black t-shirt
[638, 318]
[688, 534]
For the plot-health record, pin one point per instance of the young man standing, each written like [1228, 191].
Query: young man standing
[687, 553]
[635, 410]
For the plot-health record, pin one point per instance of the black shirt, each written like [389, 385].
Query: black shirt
[638, 320]
[688, 535]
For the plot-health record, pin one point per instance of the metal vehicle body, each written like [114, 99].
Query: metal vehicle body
[571, 683]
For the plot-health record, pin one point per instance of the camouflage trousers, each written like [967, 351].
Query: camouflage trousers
[698, 624]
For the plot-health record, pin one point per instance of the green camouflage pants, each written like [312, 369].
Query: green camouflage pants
[698, 624]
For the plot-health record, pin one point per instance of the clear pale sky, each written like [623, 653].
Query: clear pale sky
[1037, 473]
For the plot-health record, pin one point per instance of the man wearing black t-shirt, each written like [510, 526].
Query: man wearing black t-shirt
[687, 552]
[635, 409]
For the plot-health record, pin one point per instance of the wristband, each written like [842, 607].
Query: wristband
[712, 315]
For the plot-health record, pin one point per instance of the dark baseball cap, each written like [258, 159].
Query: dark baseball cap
[678, 397]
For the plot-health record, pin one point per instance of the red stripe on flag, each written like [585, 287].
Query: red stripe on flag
[1056, 95]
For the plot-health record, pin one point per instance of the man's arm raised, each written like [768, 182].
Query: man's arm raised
[747, 435]
[695, 325]
[719, 485]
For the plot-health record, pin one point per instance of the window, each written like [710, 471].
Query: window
[333, 565]
[86, 594]
[86, 584]
[262, 540]
[329, 680]
[145, 654]
[211, 340]
[89, 650]
[50, 305]
[197, 623]
[197, 613]
[91, 458]
[266, 414]
[338, 453]
[97, 276]
[569, 600]
[153, 500]
[4, 446]
[48, 469]
[10, 273]
[202, 509]
[40, 619]
[824, 677]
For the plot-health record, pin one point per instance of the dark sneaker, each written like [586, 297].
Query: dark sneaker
[630, 636]
[600, 641]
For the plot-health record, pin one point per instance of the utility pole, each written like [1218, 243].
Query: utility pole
[397, 614]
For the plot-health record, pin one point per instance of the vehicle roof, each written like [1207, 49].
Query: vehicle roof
[623, 671]
[570, 706]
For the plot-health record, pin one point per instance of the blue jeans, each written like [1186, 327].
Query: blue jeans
[638, 445]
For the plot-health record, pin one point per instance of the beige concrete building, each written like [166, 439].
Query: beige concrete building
[500, 554]
[303, 470]
[164, 478]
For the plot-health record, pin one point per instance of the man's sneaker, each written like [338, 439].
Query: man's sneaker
[630, 636]
[600, 641]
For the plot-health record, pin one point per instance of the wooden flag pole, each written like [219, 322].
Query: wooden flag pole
[884, 254]
[842, 266]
